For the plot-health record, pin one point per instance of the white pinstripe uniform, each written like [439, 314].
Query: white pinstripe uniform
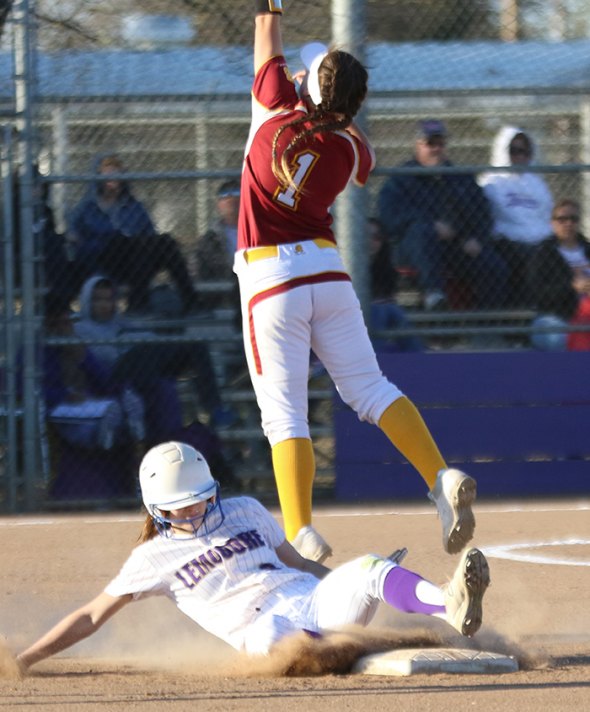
[233, 584]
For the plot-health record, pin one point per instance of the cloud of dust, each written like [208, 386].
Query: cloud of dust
[335, 653]
[191, 650]
[528, 620]
[24, 619]
[529, 658]
[8, 667]
[516, 622]
[160, 637]
[201, 654]
[146, 634]
[154, 636]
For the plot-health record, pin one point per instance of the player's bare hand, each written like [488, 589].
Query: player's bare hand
[292, 558]
[300, 77]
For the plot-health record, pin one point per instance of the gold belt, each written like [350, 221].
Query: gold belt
[253, 254]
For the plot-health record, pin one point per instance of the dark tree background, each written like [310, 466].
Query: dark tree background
[69, 24]
[77, 24]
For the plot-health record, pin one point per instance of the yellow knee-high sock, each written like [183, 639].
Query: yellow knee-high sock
[404, 426]
[294, 467]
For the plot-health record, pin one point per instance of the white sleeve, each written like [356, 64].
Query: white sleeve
[275, 536]
[136, 577]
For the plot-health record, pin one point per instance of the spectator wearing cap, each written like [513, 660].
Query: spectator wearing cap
[441, 225]
[521, 204]
[215, 249]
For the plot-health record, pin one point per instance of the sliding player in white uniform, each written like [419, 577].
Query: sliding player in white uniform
[230, 569]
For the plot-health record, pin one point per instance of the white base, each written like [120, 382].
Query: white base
[412, 661]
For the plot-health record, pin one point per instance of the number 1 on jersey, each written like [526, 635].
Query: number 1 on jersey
[304, 163]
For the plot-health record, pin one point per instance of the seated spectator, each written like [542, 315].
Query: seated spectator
[559, 275]
[72, 375]
[87, 413]
[150, 368]
[385, 312]
[114, 235]
[216, 248]
[521, 207]
[441, 224]
[214, 253]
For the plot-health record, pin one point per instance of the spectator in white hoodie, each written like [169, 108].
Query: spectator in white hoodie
[521, 204]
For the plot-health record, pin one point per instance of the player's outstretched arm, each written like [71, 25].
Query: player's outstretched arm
[268, 42]
[292, 558]
[74, 627]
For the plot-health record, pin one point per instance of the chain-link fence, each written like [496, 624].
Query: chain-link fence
[125, 131]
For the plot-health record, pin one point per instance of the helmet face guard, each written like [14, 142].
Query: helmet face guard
[202, 524]
[174, 475]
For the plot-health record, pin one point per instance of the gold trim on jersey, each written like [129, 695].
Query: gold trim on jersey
[266, 252]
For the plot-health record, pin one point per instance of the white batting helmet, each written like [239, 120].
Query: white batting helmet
[174, 475]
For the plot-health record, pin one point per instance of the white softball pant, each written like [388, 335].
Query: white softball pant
[348, 595]
[298, 300]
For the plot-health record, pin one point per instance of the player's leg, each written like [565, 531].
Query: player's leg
[451, 490]
[277, 335]
[294, 467]
[293, 463]
[405, 427]
[459, 602]
[341, 341]
[350, 593]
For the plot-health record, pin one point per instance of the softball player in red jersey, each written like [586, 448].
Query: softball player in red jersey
[229, 568]
[295, 292]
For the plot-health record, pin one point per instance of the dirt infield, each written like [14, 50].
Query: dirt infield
[152, 657]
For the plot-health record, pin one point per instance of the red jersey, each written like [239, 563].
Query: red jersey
[321, 167]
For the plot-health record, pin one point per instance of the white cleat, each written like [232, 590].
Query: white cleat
[311, 545]
[453, 494]
[464, 594]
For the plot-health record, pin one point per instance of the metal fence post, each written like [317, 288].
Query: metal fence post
[24, 77]
[348, 33]
[9, 324]
[59, 135]
[585, 158]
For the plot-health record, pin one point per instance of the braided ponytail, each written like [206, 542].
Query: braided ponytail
[343, 84]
